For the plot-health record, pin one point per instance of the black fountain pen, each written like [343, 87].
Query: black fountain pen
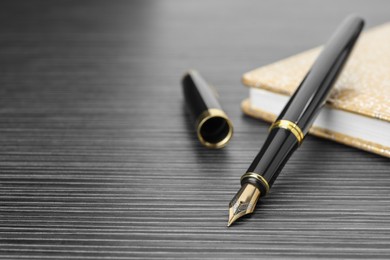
[289, 129]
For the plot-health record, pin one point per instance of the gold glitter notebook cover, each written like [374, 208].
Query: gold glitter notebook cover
[363, 87]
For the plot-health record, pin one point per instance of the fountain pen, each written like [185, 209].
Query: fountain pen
[291, 126]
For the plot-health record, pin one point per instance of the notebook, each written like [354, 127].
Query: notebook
[357, 112]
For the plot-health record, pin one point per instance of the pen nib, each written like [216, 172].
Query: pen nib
[244, 202]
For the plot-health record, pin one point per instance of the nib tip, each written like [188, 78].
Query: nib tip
[243, 203]
[230, 222]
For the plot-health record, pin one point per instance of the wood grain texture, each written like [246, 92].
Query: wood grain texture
[98, 159]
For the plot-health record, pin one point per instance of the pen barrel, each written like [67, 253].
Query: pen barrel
[310, 96]
[298, 115]
[268, 163]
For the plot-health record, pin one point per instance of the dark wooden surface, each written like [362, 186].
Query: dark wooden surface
[98, 159]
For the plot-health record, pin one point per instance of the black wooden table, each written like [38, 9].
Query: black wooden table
[98, 159]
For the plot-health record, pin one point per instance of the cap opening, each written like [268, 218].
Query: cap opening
[215, 131]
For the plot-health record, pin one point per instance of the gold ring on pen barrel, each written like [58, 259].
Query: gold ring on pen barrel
[290, 126]
[257, 177]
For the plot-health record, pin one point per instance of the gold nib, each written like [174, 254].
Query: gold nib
[243, 203]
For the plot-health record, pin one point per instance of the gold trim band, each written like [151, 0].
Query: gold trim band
[290, 126]
[213, 113]
[257, 177]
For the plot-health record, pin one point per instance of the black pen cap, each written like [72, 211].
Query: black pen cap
[213, 127]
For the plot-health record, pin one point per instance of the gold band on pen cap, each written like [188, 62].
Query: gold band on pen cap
[213, 127]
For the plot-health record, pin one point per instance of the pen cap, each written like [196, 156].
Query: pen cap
[214, 129]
